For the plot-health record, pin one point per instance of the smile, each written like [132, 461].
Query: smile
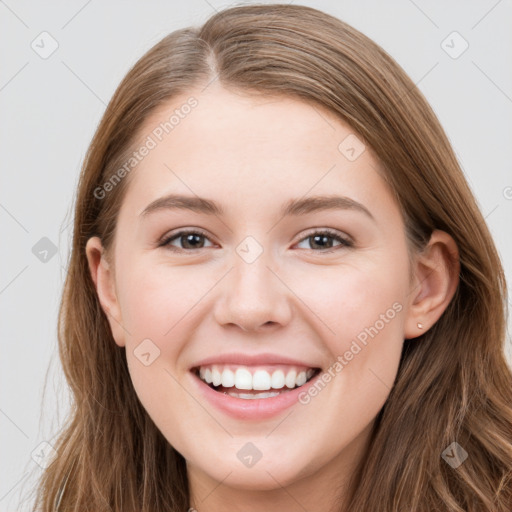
[254, 382]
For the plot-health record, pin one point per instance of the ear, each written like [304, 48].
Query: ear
[436, 278]
[104, 280]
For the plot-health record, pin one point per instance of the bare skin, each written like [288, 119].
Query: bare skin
[252, 155]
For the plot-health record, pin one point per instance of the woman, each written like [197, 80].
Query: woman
[335, 339]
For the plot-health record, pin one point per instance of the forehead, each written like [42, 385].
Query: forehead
[243, 123]
[246, 148]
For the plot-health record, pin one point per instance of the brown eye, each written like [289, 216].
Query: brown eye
[189, 240]
[323, 241]
[319, 241]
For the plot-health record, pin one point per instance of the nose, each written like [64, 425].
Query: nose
[253, 297]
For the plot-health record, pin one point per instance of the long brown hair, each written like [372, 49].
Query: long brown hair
[453, 383]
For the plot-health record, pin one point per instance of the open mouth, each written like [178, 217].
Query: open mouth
[254, 382]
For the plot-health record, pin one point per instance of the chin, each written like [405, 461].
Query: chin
[265, 475]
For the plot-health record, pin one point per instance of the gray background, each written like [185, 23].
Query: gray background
[51, 107]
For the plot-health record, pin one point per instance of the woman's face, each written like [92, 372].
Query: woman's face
[258, 295]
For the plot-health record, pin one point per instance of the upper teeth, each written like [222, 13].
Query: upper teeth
[243, 377]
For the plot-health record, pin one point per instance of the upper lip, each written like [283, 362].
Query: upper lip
[252, 360]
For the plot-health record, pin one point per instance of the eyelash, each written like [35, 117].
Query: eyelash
[345, 242]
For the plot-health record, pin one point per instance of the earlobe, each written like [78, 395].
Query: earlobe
[436, 280]
[104, 282]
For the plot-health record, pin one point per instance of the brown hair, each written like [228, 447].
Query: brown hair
[453, 383]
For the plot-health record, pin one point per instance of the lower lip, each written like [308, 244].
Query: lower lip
[252, 408]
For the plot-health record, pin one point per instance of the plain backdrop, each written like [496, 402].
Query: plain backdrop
[52, 103]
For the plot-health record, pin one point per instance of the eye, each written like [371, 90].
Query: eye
[194, 239]
[323, 239]
[191, 239]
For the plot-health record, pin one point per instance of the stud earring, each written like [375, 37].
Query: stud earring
[420, 326]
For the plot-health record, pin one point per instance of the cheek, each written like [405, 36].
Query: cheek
[349, 300]
[161, 306]
[362, 309]
[155, 299]
[157, 304]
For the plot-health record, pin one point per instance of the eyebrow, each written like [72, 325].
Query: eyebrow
[294, 207]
